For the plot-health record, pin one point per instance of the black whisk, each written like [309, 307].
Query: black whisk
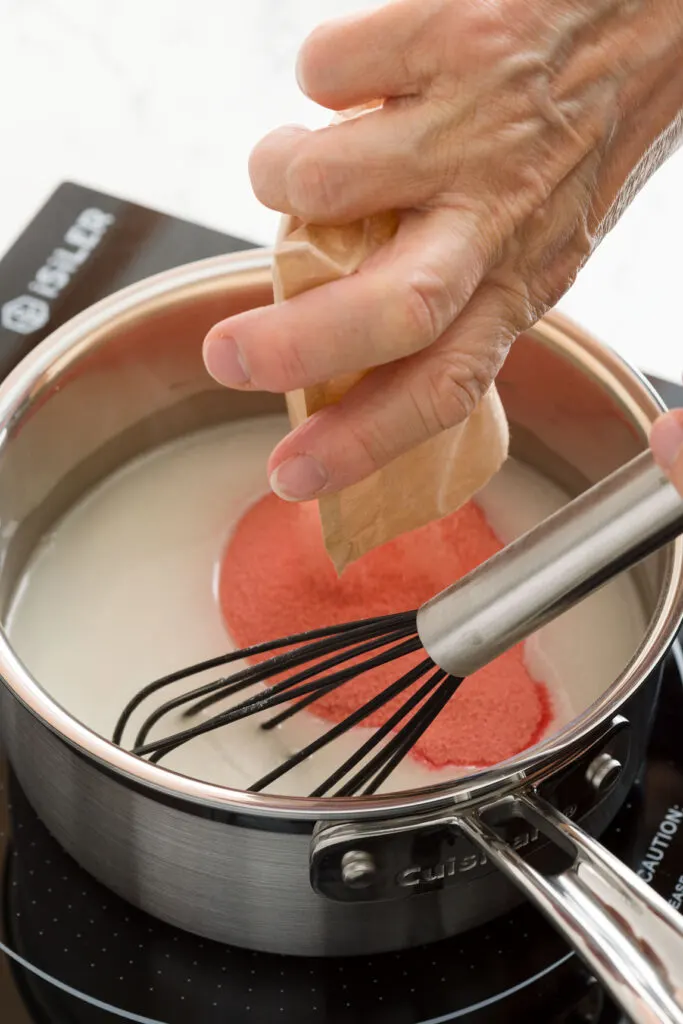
[369, 644]
[604, 531]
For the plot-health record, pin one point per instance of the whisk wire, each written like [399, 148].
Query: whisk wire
[294, 708]
[370, 706]
[356, 629]
[275, 695]
[259, 673]
[418, 725]
[381, 733]
[309, 653]
[313, 665]
[396, 742]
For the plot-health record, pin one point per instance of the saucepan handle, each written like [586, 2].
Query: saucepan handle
[628, 935]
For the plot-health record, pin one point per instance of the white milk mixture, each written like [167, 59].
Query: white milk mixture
[124, 591]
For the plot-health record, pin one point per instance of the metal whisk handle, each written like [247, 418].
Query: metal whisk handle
[607, 529]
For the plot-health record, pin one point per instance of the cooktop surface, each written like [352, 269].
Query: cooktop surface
[70, 951]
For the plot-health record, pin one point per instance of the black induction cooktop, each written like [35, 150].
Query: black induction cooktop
[73, 953]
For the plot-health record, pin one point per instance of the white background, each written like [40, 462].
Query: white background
[160, 101]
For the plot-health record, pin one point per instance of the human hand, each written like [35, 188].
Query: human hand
[513, 136]
[666, 441]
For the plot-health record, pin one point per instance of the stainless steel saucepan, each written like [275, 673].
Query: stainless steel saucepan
[335, 876]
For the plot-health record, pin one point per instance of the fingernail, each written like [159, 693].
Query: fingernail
[299, 478]
[667, 439]
[225, 361]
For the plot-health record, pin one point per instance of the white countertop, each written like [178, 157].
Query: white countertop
[160, 102]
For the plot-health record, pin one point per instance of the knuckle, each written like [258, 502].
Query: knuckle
[286, 367]
[514, 293]
[260, 168]
[519, 300]
[267, 160]
[426, 423]
[370, 447]
[310, 188]
[429, 308]
[502, 219]
[548, 270]
[560, 275]
[454, 387]
[277, 366]
[548, 289]
[487, 225]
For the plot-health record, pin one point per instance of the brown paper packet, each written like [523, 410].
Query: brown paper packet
[421, 485]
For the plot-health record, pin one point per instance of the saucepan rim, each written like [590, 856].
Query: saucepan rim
[47, 360]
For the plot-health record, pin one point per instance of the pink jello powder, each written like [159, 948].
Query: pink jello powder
[276, 580]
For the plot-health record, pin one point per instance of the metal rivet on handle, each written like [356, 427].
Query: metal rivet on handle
[602, 771]
[358, 869]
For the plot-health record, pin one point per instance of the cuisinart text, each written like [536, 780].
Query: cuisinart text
[452, 866]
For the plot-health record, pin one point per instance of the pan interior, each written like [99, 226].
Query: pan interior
[136, 387]
[124, 590]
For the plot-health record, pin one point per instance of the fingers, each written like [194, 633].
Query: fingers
[389, 158]
[399, 406]
[368, 56]
[268, 162]
[399, 303]
[666, 441]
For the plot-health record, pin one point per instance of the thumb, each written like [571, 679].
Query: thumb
[666, 441]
